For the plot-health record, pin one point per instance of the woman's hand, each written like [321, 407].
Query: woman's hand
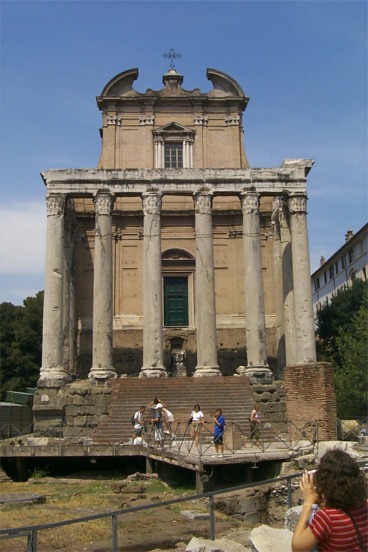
[308, 489]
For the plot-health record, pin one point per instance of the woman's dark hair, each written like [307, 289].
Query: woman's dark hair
[339, 481]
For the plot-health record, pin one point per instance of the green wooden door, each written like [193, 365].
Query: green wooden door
[176, 301]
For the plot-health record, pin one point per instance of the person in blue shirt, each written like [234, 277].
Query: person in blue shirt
[218, 433]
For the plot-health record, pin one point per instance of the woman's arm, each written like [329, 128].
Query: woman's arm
[303, 539]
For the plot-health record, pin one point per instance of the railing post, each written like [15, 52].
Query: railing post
[114, 519]
[289, 493]
[212, 518]
[32, 541]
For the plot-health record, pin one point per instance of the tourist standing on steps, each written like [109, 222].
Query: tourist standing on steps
[218, 433]
[157, 420]
[168, 417]
[197, 421]
[339, 488]
[254, 424]
[138, 426]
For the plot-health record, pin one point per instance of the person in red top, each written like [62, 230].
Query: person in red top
[341, 523]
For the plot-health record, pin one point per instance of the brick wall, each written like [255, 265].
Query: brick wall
[310, 397]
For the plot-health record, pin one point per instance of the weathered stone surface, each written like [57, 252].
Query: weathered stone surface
[267, 539]
[191, 514]
[198, 544]
[292, 516]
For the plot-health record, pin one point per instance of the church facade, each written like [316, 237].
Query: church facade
[173, 257]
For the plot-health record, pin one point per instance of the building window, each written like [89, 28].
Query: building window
[336, 267]
[351, 255]
[325, 277]
[343, 261]
[176, 301]
[316, 284]
[173, 155]
[331, 272]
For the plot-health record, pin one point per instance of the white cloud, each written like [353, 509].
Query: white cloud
[22, 238]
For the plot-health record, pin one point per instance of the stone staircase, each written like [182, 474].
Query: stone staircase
[232, 394]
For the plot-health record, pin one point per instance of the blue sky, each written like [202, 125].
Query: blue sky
[302, 63]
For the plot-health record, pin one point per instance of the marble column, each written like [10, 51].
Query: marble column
[278, 291]
[102, 361]
[305, 349]
[153, 365]
[287, 283]
[257, 366]
[53, 373]
[205, 288]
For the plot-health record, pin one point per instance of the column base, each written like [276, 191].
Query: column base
[259, 374]
[53, 377]
[205, 371]
[153, 372]
[102, 374]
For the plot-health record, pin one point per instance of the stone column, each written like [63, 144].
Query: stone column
[287, 283]
[205, 288]
[257, 366]
[153, 365]
[305, 349]
[102, 362]
[278, 291]
[52, 373]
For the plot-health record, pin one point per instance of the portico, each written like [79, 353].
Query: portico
[287, 184]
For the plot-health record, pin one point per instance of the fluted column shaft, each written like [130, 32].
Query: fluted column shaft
[205, 288]
[153, 365]
[102, 361]
[52, 373]
[278, 294]
[304, 322]
[254, 300]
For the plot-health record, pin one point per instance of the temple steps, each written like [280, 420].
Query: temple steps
[232, 394]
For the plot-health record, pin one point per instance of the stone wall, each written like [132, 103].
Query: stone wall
[311, 400]
[80, 406]
[271, 399]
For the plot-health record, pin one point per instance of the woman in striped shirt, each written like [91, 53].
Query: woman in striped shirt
[341, 523]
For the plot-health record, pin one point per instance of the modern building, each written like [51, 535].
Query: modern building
[349, 262]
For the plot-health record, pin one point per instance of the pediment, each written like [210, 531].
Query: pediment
[173, 128]
[176, 255]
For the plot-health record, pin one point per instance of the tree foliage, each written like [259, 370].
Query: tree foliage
[20, 344]
[342, 339]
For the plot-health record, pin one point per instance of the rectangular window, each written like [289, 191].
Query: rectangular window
[351, 255]
[325, 276]
[331, 271]
[343, 261]
[316, 284]
[173, 155]
[336, 267]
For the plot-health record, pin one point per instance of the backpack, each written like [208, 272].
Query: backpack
[132, 419]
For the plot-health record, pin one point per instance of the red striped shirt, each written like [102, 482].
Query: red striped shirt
[335, 530]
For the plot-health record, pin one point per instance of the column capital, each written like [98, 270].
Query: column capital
[151, 202]
[203, 202]
[55, 205]
[250, 203]
[298, 204]
[104, 202]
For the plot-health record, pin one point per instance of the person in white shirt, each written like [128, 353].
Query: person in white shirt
[197, 420]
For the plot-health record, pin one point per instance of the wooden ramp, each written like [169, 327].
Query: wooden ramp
[232, 394]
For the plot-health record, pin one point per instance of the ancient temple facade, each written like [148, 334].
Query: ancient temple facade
[174, 257]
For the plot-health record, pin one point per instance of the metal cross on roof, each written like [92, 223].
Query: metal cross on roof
[172, 56]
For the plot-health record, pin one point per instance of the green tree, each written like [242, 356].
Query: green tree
[342, 339]
[21, 343]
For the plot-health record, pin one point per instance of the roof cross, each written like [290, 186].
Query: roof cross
[172, 56]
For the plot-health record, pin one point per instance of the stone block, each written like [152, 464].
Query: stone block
[199, 544]
[268, 539]
[292, 516]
